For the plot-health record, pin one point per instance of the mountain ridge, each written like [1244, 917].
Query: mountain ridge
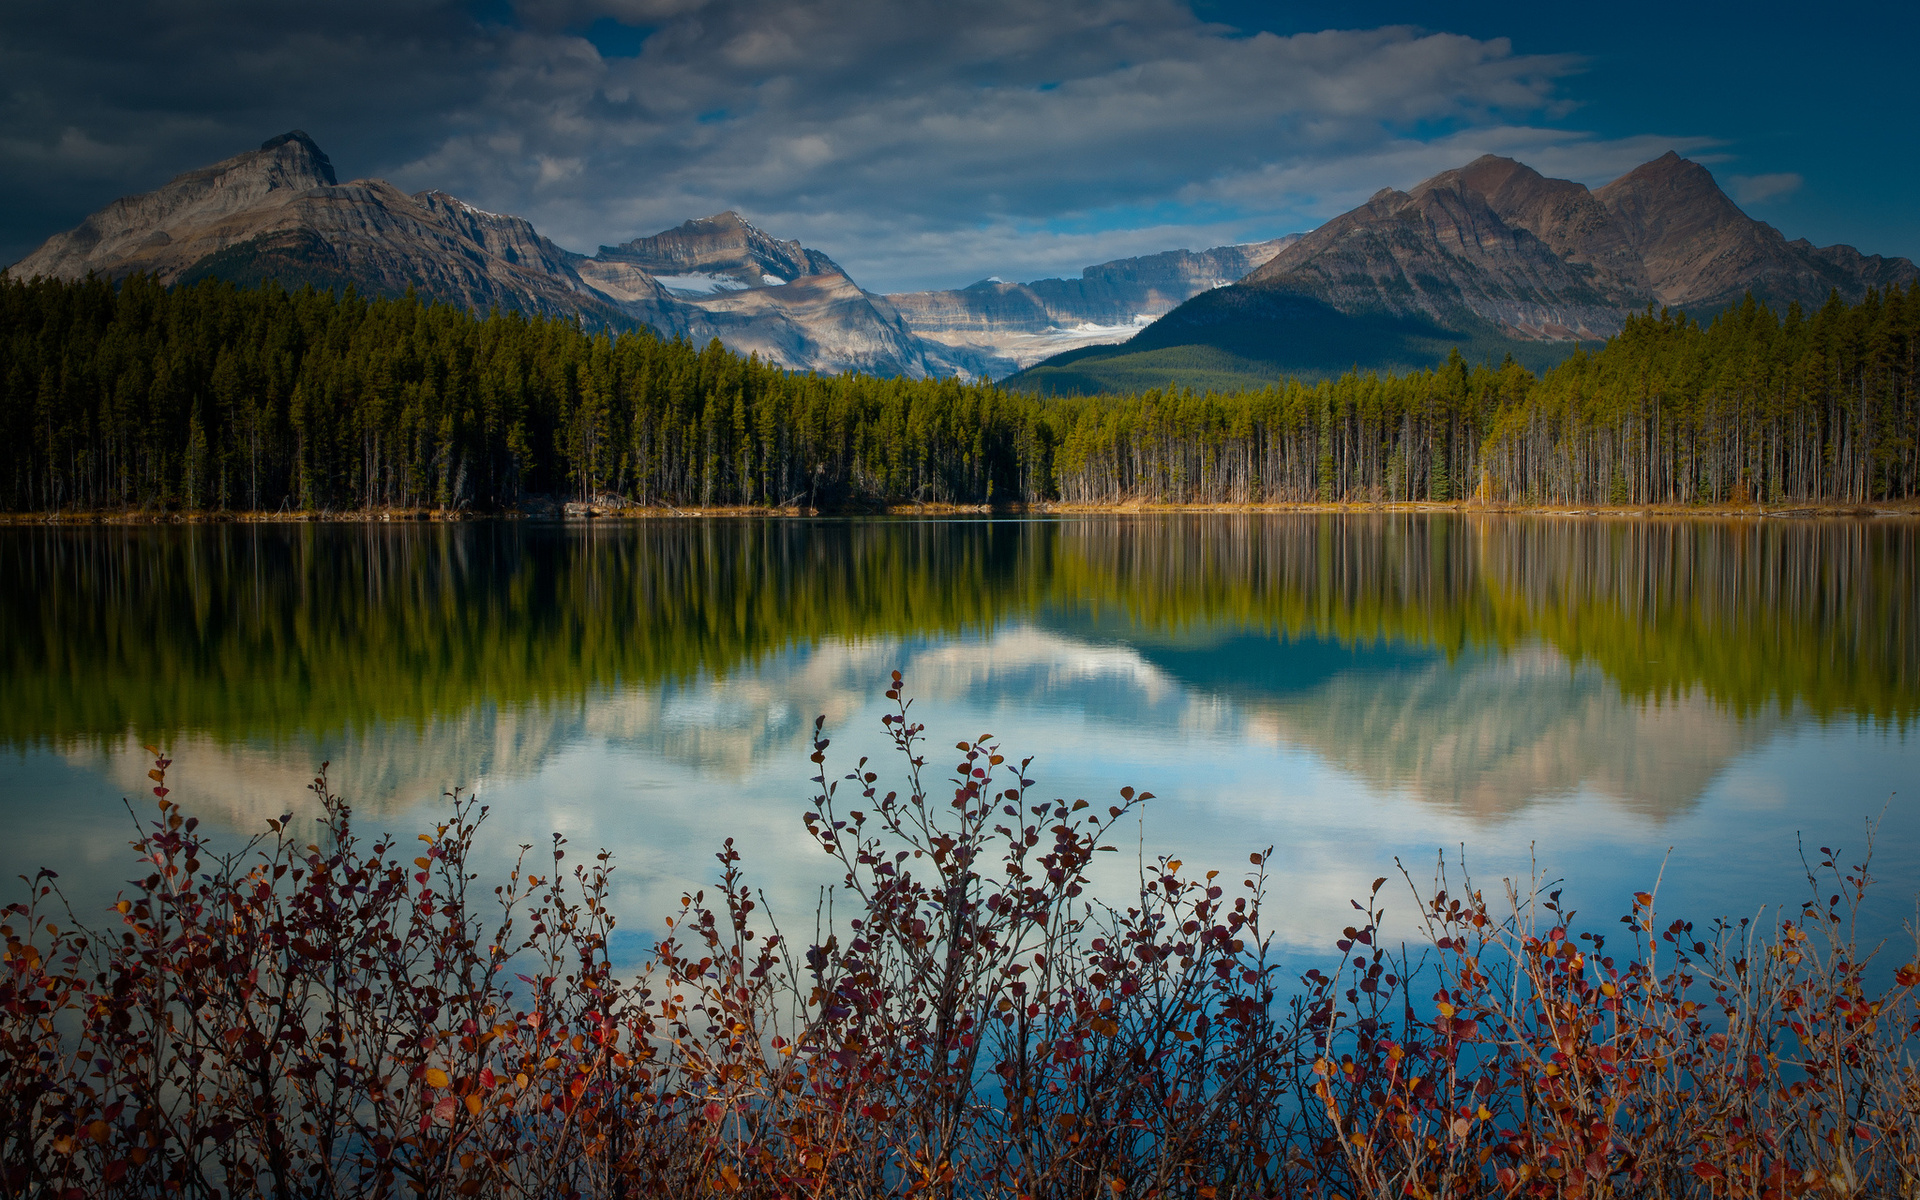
[1022, 323]
[280, 212]
[1494, 257]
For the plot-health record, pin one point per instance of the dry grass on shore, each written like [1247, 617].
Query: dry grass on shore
[624, 512]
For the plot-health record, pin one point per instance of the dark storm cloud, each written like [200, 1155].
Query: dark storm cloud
[103, 99]
[921, 144]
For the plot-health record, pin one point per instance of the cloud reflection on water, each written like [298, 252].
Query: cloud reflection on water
[1346, 690]
[1388, 751]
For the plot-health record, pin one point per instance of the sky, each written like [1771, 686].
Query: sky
[931, 143]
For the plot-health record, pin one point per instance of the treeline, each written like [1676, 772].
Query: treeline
[1753, 406]
[212, 397]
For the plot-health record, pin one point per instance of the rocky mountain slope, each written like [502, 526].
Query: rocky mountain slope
[1702, 253]
[721, 277]
[279, 212]
[1493, 257]
[1022, 323]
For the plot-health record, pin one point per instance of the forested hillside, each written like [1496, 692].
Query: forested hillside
[213, 397]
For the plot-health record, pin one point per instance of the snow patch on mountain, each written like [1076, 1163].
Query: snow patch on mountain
[700, 283]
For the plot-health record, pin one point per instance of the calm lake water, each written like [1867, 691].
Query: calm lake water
[1611, 698]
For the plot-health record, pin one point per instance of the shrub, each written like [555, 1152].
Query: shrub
[346, 1017]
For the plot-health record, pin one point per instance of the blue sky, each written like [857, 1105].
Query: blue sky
[928, 144]
[1824, 93]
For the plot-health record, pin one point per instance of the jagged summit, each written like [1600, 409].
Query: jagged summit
[280, 213]
[1442, 252]
[1548, 259]
[720, 253]
[195, 214]
[1493, 256]
[322, 164]
[762, 295]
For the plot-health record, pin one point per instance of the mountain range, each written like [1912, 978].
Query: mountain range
[1493, 257]
[1110, 302]
[280, 212]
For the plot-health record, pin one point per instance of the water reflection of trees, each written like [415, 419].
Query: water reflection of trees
[264, 631]
[1753, 614]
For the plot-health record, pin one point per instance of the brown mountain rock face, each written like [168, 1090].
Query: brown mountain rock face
[1701, 252]
[1548, 260]
[443, 248]
[1441, 252]
[1696, 243]
[721, 277]
[197, 213]
[724, 246]
[1860, 270]
[822, 318]
[1561, 213]
[279, 213]
[1491, 258]
[1493, 249]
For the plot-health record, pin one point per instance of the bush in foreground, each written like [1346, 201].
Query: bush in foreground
[348, 1017]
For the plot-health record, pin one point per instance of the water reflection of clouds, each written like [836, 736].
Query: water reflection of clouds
[1248, 741]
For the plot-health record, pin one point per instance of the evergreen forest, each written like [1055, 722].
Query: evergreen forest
[213, 397]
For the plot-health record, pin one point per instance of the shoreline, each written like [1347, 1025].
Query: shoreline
[576, 513]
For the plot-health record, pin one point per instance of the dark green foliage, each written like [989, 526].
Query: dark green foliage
[1098, 370]
[1244, 337]
[294, 258]
[1669, 412]
[1753, 405]
[213, 397]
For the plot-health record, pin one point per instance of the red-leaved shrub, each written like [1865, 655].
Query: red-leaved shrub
[354, 1017]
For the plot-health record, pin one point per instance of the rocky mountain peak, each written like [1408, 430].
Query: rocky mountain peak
[1563, 214]
[1669, 197]
[321, 165]
[1490, 255]
[191, 216]
[719, 253]
[1698, 248]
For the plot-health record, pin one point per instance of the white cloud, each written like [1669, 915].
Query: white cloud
[1758, 189]
[925, 144]
[919, 143]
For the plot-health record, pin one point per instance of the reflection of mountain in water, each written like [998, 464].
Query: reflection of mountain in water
[384, 769]
[1263, 666]
[1479, 733]
[720, 728]
[1484, 733]
[1488, 734]
[1476, 663]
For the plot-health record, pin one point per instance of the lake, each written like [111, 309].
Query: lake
[1617, 700]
